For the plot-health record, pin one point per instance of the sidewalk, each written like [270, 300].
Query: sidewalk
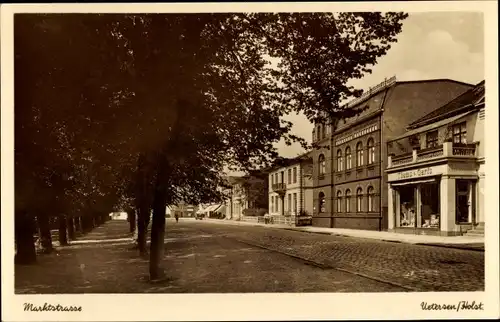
[460, 242]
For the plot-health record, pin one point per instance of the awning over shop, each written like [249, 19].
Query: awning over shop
[429, 127]
[397, 184]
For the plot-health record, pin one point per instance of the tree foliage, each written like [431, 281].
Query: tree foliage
[151, 107]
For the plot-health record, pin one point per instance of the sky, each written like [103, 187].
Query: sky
[431, 45]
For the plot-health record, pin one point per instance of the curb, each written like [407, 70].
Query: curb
[453, 246]
[458, 246]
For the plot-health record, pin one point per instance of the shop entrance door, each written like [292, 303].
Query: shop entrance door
[462, 211]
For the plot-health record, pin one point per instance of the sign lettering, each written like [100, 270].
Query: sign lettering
[415, 173]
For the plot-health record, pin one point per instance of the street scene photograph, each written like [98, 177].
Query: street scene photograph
[249, 152]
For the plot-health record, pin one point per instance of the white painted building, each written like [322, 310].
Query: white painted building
[291, 188]
[436, 171]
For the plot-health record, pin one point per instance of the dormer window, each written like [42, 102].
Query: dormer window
[460, 133]
[431, 139]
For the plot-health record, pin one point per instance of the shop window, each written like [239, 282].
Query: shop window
[429, 210]
[340, 160]
[322, 164]
[348, 200]
[348, 158]
[431, 139]
[359, 200]
[359, 154]
[371, 151]
[339, 201]
[460, 133]
[407, 207]
[295, 175]
[371, 201]
[322, 202]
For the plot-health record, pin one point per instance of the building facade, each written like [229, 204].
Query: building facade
[350, 161]
[290, 188]
[246, 192]
[436, 171]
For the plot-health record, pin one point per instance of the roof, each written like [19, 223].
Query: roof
[431, 126]
[470, 97]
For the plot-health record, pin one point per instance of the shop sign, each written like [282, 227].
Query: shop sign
[415, 173]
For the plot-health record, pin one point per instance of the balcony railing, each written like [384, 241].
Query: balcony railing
[448, 149]
[279, 186]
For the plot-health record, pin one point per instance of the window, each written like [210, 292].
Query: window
[371, 151]
[289, 202]
[322, 164]
[359, 154]
[431, 139]
[340, 160]
[371, 201]
[323, 131]
[319, 131]
[289, 176]
[295, 202]
[314, 135]
[359, 200]
[322, 202]
[460, 133]
[295, 175]
[272, 179]
[276, 178]
[348, 159]
[348, 200]
[339, 201]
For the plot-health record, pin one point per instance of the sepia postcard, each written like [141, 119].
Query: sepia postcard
[250, 161]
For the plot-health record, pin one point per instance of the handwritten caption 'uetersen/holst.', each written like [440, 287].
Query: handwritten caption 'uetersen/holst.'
[461, 306]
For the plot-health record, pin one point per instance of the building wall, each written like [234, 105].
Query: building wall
[384, 115]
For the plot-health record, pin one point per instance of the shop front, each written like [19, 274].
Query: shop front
[433, 200]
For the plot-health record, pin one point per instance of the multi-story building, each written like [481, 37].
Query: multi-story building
[349, 163]
[290, 191]
[246, 192]
[183, 210]
[436, 170]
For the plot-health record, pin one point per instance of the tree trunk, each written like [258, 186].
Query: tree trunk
[63, 236]
[71, 228]
[131, 220]
[156, 271]
[142, 229]
[23, 232]
[44, 233]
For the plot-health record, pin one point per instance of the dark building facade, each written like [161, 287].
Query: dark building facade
[349, 165]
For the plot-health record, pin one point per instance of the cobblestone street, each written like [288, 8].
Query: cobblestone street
[207, 257]
[416, 267]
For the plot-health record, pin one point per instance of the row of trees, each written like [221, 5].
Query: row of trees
[143, 111]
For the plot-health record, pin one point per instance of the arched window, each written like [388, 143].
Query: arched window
[322, 202]
[339, 201]
[371, 201]
[348, 159]
[359, 154]
[348, 200]
[359, 200]
[371, 151]
[340, 160]
[322, 164]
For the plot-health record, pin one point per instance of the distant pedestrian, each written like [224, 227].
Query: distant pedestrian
[177, 217]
